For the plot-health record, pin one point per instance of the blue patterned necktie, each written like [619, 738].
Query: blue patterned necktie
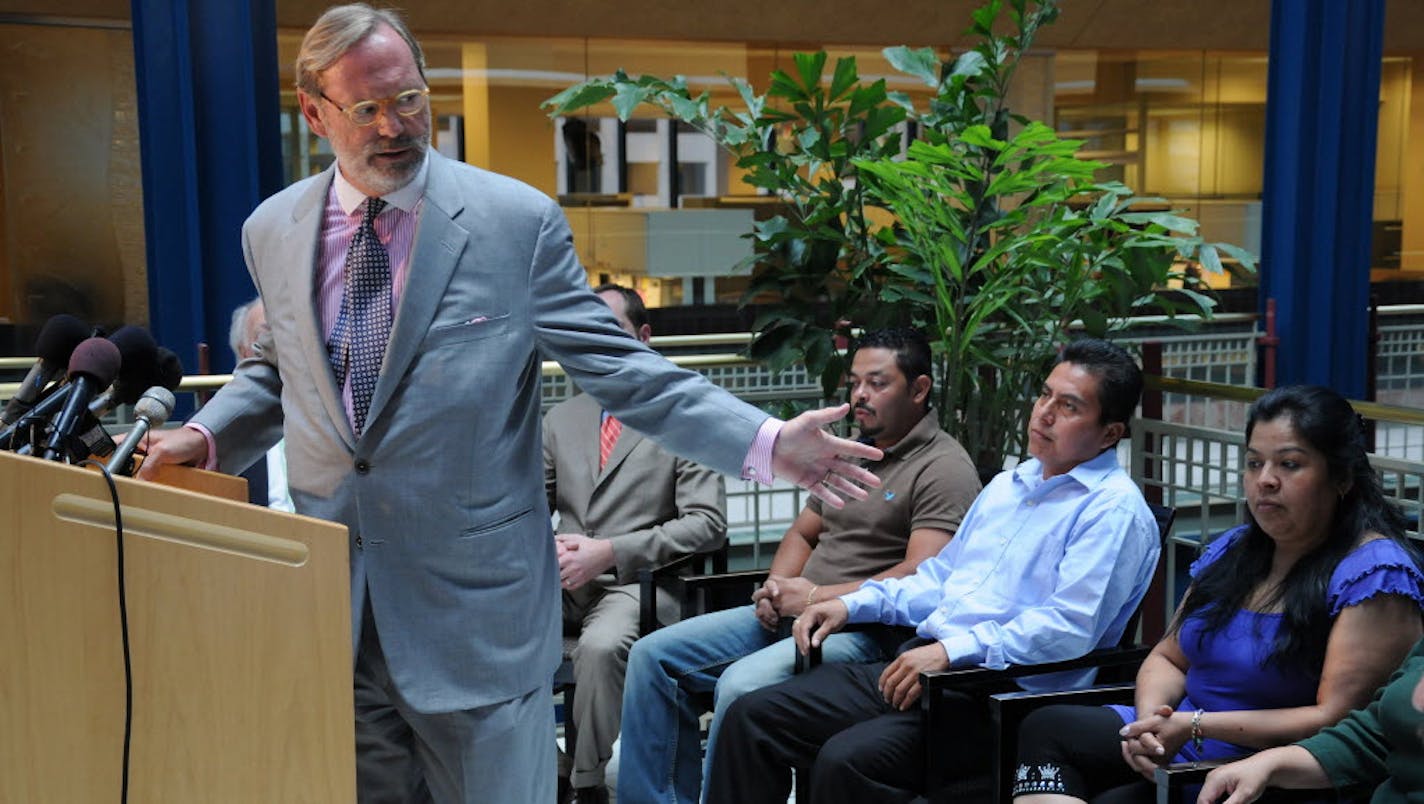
[358, 341]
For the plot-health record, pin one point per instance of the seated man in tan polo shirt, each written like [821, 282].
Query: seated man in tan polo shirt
[928, 482]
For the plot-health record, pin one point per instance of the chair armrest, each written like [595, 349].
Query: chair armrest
[969, 678]
[669, 576]
[693, 562]
[703, 593]
[1172, 780]
[725, 580]
[1099, 695]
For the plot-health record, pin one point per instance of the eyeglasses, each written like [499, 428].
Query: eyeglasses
[363, 113]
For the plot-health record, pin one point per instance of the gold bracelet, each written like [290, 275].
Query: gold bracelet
[811, 596]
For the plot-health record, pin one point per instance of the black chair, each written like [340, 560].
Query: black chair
[1115, 664]
[674, 576]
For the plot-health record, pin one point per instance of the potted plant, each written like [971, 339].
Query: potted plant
[998, 241]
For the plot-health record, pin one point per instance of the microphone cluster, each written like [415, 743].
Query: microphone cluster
[79, 377]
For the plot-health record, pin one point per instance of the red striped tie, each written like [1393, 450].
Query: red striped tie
[607, 437]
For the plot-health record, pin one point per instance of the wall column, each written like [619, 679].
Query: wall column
[1322, 115]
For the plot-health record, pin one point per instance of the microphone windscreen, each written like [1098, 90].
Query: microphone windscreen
[156, 405]
[137, 349]
[97, 358]
[170, 369]
[139, 365]
[58, 339]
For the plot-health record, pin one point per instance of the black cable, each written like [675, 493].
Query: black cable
[123, 624]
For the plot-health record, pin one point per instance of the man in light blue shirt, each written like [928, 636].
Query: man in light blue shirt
[1049, 563]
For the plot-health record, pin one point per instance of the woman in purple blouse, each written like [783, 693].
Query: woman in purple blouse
[1291, 620]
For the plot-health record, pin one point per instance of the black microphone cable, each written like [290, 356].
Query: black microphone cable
[123, 623]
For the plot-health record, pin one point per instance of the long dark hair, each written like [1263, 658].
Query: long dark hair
[1325, 420]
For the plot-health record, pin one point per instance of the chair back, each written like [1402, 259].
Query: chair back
[1164, 517]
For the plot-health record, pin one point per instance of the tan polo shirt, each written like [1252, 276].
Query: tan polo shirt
[927, 481]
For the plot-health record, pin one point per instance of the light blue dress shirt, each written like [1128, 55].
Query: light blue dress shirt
[1040, 571]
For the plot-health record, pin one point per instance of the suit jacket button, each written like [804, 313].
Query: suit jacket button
[358, 541]
[363, 466]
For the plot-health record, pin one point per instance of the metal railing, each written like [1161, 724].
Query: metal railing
[1191, 457]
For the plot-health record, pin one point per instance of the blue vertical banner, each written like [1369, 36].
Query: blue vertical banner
[1322, 117]
[210, 141]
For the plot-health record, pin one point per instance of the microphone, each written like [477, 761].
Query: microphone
[10, 437]
[92, 368]
[57, 341]
[170, 369]
[138, 364]
[151, 410]
[166, 371]
[145, 365]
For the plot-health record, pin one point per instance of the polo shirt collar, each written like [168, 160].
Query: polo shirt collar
[919, 436]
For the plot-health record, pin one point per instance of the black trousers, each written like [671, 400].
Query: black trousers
[832, 723]
[1076, 751]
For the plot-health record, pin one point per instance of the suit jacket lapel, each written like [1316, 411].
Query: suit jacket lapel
[301, 239]
[439, 242]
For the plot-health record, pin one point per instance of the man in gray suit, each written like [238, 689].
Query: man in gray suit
[410, 300]
[624, 504]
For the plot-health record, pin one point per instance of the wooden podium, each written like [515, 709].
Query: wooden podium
[239, 631]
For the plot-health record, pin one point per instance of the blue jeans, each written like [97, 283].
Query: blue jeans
[727, 652]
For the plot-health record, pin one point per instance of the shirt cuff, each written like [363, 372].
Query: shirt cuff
[862, 605]
[962, 648]
[757, 465]
[210, 462]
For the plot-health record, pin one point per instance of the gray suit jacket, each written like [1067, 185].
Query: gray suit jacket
[448, 522]
[650, 504]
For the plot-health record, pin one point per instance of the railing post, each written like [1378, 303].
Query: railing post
[1372, 341]
[1268, 343]
[1156, 597]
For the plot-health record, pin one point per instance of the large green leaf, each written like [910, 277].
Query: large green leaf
[1001, 237]
[629, 97]
[809, 67]
[922, 63]
[844, 78]
[579, 96]
[968, 65]
[1210, 259]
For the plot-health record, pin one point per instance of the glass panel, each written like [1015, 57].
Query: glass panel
[1188, 127]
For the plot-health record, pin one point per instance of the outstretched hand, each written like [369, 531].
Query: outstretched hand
[823, 464]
